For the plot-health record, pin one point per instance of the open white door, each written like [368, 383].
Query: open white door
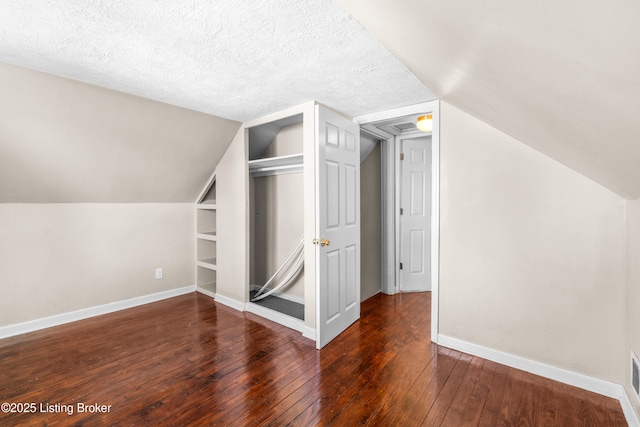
[338, 224]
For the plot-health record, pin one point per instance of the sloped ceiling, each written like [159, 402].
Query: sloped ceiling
[65, 141]
[560, 76]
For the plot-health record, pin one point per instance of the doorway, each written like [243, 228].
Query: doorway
[393, 128]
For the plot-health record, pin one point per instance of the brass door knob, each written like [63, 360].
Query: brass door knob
[323, 242]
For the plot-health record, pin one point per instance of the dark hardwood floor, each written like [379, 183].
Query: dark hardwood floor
[190, 361]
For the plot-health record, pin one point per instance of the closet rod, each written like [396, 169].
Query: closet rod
[276, 171]
[276, 165]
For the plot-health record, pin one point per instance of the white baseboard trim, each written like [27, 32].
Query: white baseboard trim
[575, 379]
[627, 408]
[309, 332]
[85, 313]
[206, 292]
[371, 296]
[282, 319]
[229, 302]
[281, 295]
[629, 412]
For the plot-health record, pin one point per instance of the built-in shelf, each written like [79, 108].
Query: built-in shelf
[206, 221]
[207, 252]
[206, 240]
[207, 235]
[276, 165]
[209, 263]
[209, 286]
[262, 136]
[210, 206]
[208, 196]
[206, 281]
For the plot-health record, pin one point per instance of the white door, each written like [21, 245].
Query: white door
[415, 215]
[338, 222]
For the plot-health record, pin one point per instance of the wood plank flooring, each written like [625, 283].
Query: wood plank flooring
[191, 361]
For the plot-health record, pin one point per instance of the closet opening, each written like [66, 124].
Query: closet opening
[277, 221]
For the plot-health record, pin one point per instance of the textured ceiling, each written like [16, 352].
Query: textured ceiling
[237, 60]
[560, 76]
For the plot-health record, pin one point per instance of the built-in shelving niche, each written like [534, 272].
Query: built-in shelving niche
[206, 240]
[206, 281]
[275, 149]
[209, 196]
[265, 158]
[206, 221]
[207, 254]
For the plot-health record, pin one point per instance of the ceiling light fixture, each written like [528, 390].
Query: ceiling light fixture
[425, 123]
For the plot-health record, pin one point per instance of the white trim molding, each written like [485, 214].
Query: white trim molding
[229, 302]
[85, 313]
[203, 291]
[628, 411]
[309, 332]
[433, 105]
[282, 319]
[575, 379]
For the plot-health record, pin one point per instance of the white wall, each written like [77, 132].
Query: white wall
[232, 191]
[370, 225]
[57, 258]
[633, 295]
[532, 254]
[62, 141]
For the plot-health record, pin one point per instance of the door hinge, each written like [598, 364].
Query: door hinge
[401, 211]
[400, 266]
[401, 156]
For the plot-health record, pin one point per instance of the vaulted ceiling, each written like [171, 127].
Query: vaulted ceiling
[66, 141]
[560, 76]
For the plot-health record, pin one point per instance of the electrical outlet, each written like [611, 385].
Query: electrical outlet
[158, 273]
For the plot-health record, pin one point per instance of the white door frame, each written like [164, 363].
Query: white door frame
[389, 255]
[389, 170]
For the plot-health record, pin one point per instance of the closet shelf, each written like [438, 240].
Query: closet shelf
[207, 235]
[208, 289]
[276, 165]
[206, 206]
[209, 263]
